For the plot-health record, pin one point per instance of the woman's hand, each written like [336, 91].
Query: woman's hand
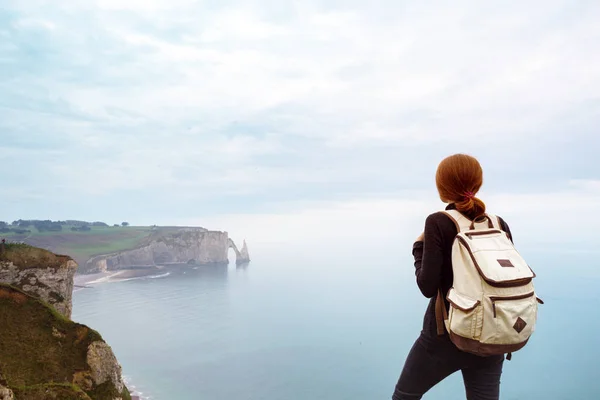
[421, 237]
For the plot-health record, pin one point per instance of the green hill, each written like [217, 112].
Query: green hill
[83, 245]
[85, 241]
[43, 355]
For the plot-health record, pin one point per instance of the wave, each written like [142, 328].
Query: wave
[133, 389]
[113, 278]
[137, 278]
[159, 276]
[103, 279]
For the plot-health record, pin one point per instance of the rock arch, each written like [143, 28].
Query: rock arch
[241, 257]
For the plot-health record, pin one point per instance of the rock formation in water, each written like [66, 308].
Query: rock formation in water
[245, 256]
[43, 354]
[183, 245]
[241, 257]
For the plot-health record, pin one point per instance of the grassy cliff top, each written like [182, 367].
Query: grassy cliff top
[25, 256]
[82, 245]
[98, 240]
[41, 352]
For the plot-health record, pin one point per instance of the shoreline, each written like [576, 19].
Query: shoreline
[86, 281]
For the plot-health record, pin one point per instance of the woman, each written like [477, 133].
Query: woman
[433, 356]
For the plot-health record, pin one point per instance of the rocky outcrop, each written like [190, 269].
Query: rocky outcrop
[6, 393]
[185, 245]
[43, 354]
[104, 366]
[241, 257]
[45, 275]
[77, 361]
[244, 255]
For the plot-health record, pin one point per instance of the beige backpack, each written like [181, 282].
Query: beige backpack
[493, 304]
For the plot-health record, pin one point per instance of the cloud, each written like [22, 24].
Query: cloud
[391, 223]
[248, 103]
[587, 185]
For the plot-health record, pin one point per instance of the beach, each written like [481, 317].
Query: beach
[82, 281]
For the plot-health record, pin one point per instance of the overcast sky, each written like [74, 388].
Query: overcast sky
[250, 116]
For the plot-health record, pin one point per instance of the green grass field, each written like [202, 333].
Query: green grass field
[82, 246]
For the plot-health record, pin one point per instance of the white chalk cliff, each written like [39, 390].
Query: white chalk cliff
[185, 245]
[51, 283]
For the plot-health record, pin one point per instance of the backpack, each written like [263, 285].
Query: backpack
[493, 303]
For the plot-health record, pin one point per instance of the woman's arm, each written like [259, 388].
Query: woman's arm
[429, 258]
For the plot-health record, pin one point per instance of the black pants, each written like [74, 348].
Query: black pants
[433, 358]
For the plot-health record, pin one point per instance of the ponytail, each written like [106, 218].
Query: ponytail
[471, 205]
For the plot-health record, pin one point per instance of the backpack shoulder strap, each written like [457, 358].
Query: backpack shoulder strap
[462, 223]
[441, 314]
[495, 221]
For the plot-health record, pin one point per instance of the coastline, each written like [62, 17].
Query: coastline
[84, 281]
[88, 281]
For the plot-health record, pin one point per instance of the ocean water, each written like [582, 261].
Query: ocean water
[336, 328]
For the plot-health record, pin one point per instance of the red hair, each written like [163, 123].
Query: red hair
[458, 179]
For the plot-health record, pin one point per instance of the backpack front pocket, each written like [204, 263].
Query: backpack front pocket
[515, 317]
[466, 315]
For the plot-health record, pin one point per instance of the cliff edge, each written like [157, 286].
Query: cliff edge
[43, 354]
[40, 273]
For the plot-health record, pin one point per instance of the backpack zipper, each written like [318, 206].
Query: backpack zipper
[486, 232]
[462, 308]
[494, 299]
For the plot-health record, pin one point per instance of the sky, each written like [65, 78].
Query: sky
[299, 121]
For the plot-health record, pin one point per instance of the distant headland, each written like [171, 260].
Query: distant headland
[102, 247]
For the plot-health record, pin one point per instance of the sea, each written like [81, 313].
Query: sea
[335, 326]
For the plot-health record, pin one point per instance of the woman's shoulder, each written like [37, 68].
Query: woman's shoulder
[441, 220]
[501, 221]
[438, 216]
[504, 226]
